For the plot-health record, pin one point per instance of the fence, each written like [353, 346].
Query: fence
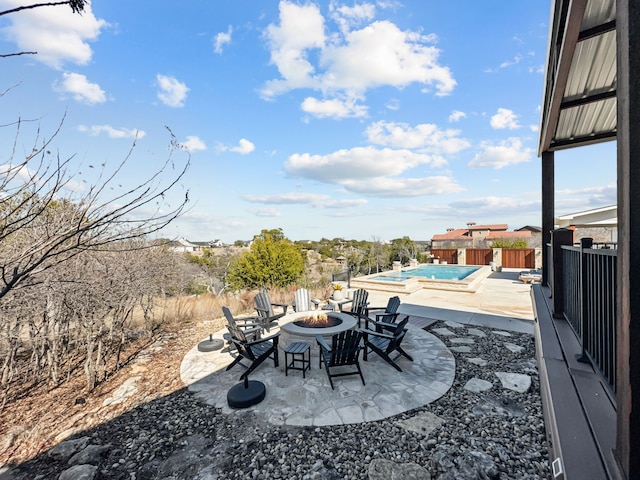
[479, 256]
[589, 292]
[518, 258]
[449, 255]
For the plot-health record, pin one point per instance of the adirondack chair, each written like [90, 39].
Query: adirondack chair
[302, 300]
[249, 325]
[255, 352]
[383, 315]
[385, 344]
[264, 307]
[344, 351]
[359, 304]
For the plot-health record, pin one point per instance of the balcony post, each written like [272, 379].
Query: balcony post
[547, 211]
[585, 243]
[559, 238]
[628, 271]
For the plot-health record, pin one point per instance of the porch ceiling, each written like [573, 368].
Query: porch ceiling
[579, 102]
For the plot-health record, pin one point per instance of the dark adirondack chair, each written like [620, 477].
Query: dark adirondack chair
[383, 315]
[249, 325]
[344, 351]
[359, 305]
[264, 307]
[255, 352]
[385, 344]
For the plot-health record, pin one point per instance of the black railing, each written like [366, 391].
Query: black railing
[589, 286]
[342, 277]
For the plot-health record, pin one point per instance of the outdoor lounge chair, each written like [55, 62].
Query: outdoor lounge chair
[359, 305]
[385, 344]
[344, 351]
[530, 276]
[249, 325]
[386, 315]
[264, 307]
[255, 352]
[302, 300]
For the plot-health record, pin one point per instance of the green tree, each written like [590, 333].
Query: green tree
[508, 243]
[272, 261]
[403, 249]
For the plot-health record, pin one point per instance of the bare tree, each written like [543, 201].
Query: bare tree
[77, 6]
[34, 207]
[70, 269]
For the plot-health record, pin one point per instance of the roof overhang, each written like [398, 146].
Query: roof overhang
[579, 104]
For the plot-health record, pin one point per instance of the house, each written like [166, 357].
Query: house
[587, 306]
[183, 245]
[600, 224]
[479, 236]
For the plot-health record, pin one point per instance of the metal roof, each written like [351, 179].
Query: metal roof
[579, 103]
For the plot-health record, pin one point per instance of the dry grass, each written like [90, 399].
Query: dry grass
[46, 414]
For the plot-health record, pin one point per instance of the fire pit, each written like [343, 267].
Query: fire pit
[318, 320]
[308, 324]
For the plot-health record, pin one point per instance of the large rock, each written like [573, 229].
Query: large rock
[381, 469]
[79, 472]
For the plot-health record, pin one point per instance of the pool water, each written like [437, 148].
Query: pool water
[432, 272]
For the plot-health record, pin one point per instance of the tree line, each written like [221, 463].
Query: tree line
[274, 261]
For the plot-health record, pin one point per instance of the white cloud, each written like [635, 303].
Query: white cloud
[572, 200]
[313, 199]
[266, 212]
[82, 90]
[301, 28]
[427, 137]
[347, 203]
[287, 198]
[457, 115]
[516, 60]
[244, 147]
[505, 153]
[334, 108]
[56, 33]
[222, 39]
[348, 17]
[353, 61]
[393, 104]
[512, 210]
[403, 187]
[505, 118]
[356, 163]
[193, 144]
[172, 92]
[111, 132]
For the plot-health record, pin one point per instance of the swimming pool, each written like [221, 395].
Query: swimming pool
[433, 272]
[461, 278]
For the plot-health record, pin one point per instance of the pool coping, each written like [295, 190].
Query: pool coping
[469, 284]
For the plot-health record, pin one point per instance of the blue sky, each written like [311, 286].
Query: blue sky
[366, 120]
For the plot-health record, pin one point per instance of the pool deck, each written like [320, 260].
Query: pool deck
[470, 283]
[501, 301]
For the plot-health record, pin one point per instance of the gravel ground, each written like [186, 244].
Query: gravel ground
[497, 434]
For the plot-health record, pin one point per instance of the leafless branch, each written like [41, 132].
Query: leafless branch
[5, 55]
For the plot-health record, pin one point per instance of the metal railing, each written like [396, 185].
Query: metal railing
[342, 277]
[589, 290]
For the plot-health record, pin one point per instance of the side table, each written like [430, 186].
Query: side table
[300, 357]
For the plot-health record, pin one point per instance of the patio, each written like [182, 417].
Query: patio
[502, 303]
